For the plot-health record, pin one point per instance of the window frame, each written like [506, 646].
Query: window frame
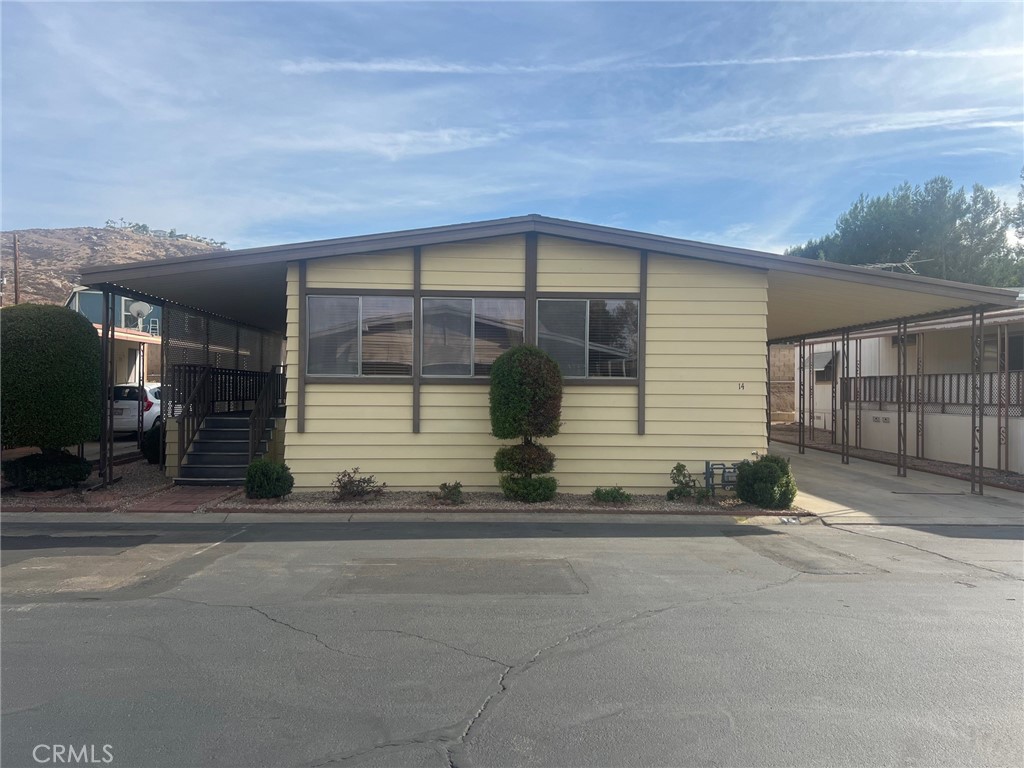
[473, 376]
[586, 377]
[358, 375]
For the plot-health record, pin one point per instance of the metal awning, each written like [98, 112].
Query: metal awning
[806, 298]
[822, 360]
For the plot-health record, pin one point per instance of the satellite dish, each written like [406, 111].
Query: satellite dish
[138, 310]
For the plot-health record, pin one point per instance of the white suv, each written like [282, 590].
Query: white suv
[126, 407]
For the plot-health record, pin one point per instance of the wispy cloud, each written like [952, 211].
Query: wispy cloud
[393, 145]
[849, 125]
[314, 66]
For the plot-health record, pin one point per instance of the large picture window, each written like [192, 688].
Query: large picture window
[359, 336]
[590, 338]
[463, 337]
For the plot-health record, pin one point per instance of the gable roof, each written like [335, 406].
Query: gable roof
[816, 286]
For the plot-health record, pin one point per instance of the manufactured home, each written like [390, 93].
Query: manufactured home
[374, 351]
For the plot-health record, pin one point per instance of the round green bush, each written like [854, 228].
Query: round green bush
[49, 471]
[266, 479]
[529, 489]
[767, 482]
[524, 459]
[526, 394]
[49, 377]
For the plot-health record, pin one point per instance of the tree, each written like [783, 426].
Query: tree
[525, 403]
[50, 369]
[945, 231]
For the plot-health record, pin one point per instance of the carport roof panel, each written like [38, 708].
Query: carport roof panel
[805, 297]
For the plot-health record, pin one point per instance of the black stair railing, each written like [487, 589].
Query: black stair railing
[264, 406]
[194, 410]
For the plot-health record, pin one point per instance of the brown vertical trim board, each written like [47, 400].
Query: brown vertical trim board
[530, 326]
[641, 352]
[417, 334]
[300, 378]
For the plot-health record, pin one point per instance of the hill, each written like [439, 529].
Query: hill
[51, 260]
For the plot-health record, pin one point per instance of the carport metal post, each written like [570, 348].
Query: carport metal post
[811, 375]
[107, 377]
[844, 395]
[858, 394]
[835, 381]
[1003, 396]
[977, 404]
[901, 399]
[801, 387]
[919, 395]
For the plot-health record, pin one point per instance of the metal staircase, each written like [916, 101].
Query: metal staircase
[219, 454]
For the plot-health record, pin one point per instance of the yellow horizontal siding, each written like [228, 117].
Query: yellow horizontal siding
[568, 265]
[706, 336]
[496, 264]
[392, 269]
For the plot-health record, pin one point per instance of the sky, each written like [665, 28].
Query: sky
[748, 124]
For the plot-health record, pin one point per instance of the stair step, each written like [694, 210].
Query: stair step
[211, 458]
[225, 446]
[225, 421]
[236, 471]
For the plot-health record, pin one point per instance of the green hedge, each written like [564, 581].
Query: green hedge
[526, 394]
[266, 479]
[767, 482]
[49, 471]
[529, 489]
[49, 377]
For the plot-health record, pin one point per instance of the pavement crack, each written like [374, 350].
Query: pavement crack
[1004, 574]
[442, 642]
[314, 635]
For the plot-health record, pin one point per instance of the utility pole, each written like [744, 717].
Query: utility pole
[17, 294]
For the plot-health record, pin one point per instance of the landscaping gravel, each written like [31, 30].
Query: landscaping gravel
[137, 479]
[324, 501]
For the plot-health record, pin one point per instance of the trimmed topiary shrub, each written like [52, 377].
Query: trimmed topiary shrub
[46, 472]
[266, 479]
[151, 444]
[767, 482]
[49, 378]
[524, 459]
[528, 489]
[526, 403]
[526, 395]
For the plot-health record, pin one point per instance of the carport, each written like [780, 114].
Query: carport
[247, 291]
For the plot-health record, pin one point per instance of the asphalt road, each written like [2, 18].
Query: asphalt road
[462, 644]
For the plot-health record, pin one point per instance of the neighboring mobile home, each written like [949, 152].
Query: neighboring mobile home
[390, 338]
[938, 391]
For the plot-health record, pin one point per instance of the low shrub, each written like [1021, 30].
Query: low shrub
[350, 485]
[47, 471]
[151, 444]
[450, 493]
[266, 479]
[524, 459]
[767, 482]
[613, 495]
[529, 489]
[684, 485]
[702, 495]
